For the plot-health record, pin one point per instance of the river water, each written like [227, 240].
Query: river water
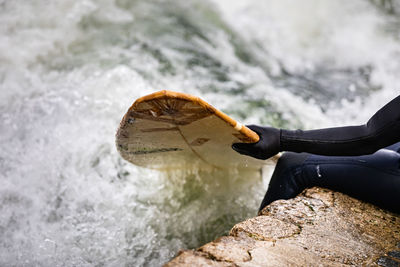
[70, 69]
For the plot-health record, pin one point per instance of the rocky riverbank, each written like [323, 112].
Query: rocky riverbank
[319, 227]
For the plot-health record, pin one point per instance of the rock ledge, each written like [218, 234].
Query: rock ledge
[319, 227]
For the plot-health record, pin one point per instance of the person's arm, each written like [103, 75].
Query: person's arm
[382, 130]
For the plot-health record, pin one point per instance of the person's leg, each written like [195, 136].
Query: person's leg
[373, 178]
[394, 147]
[286, 181]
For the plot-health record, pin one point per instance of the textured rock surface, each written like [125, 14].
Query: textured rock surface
[319, 227]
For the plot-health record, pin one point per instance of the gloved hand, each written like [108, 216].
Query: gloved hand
[266, 147]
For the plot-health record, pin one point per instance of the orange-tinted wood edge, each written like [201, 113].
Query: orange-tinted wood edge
[253, 137]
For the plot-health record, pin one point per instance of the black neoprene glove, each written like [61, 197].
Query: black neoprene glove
[266, 147]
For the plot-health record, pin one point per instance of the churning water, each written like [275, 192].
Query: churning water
[70, 69]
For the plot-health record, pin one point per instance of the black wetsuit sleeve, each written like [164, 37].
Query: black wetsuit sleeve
[382, 130]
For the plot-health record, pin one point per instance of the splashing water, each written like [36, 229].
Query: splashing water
[70, 69]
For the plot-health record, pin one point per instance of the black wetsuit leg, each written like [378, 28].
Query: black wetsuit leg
[287, 180]
[373, 178]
